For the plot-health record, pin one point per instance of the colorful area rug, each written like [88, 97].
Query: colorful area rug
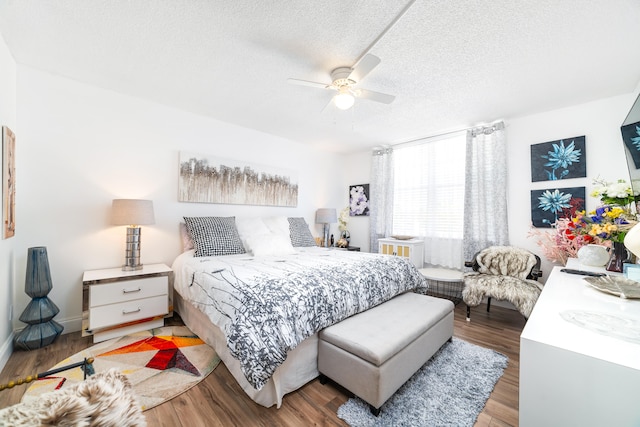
[449, 390]
[160, 363]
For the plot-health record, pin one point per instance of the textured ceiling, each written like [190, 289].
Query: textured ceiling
[450, 64]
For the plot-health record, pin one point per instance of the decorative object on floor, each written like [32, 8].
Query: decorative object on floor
[160, 364]
[593, 255]
[547, 206]
[359, 200]
[450, 389]
[133, 213]
[105, 399]
[505, 273]
[551, 161]
[207, 179]
[86, 365]
[615, 285]
[326, 217]
[41, 329]
[8, 183]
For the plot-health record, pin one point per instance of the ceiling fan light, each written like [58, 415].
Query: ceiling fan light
[344, 100]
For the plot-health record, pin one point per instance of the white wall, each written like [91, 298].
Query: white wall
[79, 147]
[7, 273]
[357, 171]
[599, 121]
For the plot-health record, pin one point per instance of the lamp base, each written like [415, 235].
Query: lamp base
[132, 267]
[325, 232]
[132, 252]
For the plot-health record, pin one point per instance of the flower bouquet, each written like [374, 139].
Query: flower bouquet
[617, 194]
[607, 225]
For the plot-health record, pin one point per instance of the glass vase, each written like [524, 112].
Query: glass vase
[617, 257]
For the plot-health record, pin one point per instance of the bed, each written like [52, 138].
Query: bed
[261, 308]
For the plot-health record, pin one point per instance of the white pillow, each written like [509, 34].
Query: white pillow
[269, 244]
[278, 225]
[248, 227]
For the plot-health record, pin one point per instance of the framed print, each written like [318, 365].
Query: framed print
[359, 200]
[208, 179]
[562, 159]
[549, 205]
[8, 183]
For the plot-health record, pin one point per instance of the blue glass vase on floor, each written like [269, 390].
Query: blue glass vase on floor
[41, 329]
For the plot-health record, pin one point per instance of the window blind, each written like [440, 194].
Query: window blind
[429, 188]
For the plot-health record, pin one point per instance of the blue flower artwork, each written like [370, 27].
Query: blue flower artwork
[549, 205]
[562, 159]
[631, 138]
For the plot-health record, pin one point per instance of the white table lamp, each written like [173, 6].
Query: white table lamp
[326, 216]
[133, 213]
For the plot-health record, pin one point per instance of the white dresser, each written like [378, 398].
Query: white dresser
[117, 302]
[574, 371]
[412, 249]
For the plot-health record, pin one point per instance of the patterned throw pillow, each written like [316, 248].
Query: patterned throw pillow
[300, 234]
[213, 236]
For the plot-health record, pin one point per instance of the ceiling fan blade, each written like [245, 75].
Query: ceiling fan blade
[308, 83]
[375, 96]
[364, 67]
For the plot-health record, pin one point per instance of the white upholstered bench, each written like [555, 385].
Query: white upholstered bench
[373, 353]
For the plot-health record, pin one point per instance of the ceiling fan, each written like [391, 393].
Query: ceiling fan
[344, 81]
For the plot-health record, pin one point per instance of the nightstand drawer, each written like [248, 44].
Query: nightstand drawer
[127, 290]
[115, 314]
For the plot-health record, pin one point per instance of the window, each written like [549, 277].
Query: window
[429, 188]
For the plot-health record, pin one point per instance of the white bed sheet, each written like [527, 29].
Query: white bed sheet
[300, 367]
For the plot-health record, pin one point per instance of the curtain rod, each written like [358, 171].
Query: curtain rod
[478, 129]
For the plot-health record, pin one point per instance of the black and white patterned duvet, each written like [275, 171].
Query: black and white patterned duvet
[266, 306]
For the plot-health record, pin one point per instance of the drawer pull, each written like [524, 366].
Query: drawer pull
[130, 291]
[131, 311]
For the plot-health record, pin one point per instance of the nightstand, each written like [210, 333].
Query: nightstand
[412, 249]
[116, 302]
[348, 248]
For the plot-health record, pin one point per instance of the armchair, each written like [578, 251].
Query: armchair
[505, 273]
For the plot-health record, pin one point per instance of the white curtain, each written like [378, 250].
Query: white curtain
[381, 195]
[485, 203]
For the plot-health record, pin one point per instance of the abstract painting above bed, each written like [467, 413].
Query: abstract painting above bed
[266, 306]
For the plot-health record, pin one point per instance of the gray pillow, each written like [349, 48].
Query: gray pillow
[213, 236]
[299, 233]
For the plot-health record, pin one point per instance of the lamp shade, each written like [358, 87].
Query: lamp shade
[632, 240]
[132, 212]
[326, 216]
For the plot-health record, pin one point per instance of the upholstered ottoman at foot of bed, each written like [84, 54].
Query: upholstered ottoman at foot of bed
[373, 353]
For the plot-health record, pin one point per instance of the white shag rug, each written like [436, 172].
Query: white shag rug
[449, 390]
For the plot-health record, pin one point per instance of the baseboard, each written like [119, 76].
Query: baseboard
[70, 325]
[6, 350]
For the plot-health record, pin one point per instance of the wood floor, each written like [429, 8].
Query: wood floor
[219, 401]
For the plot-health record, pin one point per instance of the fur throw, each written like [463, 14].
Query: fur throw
[506, 261]
[105, 399]
[502, 273]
